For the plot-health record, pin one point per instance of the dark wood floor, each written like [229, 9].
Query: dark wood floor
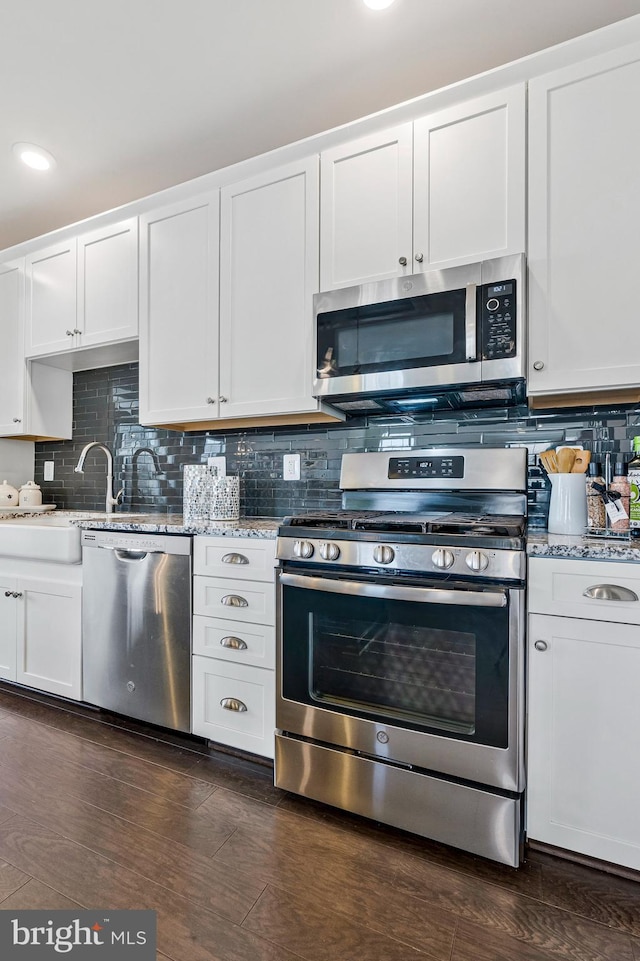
[95, 814]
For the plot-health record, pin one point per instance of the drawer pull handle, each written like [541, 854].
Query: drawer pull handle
[235, 643]
[234, 559]
[540, 645]
[234, 600]
[609, 592]
[233, 704]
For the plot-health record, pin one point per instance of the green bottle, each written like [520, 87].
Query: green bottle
[634, 487]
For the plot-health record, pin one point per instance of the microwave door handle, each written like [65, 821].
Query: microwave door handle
[397, 592]
[471, 322]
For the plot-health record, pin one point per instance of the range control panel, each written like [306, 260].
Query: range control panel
[498, 319]
[403, 467]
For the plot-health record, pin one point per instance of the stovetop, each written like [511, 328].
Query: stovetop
[456, 523]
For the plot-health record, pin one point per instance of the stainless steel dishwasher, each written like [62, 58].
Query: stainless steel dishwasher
[136, 625]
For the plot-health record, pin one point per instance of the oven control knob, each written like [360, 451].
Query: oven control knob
[303, 549]
[477, 561]
[442, 559]
[330, 551]
[383, 554]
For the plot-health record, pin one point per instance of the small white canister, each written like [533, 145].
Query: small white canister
[30, 495]
[8, 495]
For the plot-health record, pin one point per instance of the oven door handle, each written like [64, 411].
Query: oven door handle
[396, 592]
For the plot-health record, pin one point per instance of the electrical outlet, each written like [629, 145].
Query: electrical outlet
[48, 470]
[220, 463]
[291, 467]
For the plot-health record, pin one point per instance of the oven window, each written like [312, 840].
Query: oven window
[424, 674]
[423, 331]
[429, 667]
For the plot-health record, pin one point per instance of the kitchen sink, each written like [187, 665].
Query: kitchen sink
[49, 537]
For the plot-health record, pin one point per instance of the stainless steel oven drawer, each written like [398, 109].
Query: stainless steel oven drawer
[475, 820]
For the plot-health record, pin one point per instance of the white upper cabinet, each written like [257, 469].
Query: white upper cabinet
[366, 212]
[108, 284]
[268, 275]
[83, 292]
[51, 299]
[584, 239]
[35, 401]
[12, 363]
[179, 312]
[469, 181]
[445, 190]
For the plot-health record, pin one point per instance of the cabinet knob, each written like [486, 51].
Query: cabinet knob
[16, 420]
[419, 258]
[402, 261]
[234, 600]
[541, 645]
[234, 558]
[8, 593]
[76, 330]
[69, 333]
[210, 400]
[223, 400]
[538, 365]
[233, 643]
[233, 704]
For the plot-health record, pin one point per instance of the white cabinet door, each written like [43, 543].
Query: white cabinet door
[108, 284]
[366, 209]
[234, 704]
[469, 181]
[584, 737]
[8, 628]
[51, 299]
[268, 275]
[179, 312]
[12, 364]
[584, 211]
[35, 400]
[49, 649]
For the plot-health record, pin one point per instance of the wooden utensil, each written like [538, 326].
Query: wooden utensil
[549, 461]
[566, 456]
[581, 462]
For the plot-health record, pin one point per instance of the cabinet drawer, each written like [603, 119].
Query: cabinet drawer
[248, 720]
[241, 558]
[249, 601]
[586, 589]
[235, 641]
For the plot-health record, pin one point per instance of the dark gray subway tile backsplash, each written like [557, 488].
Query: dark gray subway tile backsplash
[148, 460]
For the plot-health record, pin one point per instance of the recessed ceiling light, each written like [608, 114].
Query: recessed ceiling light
[33, 156]
[378, 4]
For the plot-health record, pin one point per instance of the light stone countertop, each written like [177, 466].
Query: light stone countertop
[259, 527]
[543, 544]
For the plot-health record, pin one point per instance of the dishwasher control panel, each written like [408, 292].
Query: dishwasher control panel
[137, 541]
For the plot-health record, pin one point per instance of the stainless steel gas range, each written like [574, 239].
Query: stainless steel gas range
[400, 684]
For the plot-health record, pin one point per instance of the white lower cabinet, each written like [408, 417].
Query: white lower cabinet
[234, 704]
[583, 709]
[40, 634]
[234, 643]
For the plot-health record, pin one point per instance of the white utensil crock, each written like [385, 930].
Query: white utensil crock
[568, 504]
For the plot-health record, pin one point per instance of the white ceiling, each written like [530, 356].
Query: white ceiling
[132, 96]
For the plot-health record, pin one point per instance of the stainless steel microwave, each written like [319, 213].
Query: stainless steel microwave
[444, 338]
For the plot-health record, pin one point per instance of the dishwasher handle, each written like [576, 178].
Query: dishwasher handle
[125, 554]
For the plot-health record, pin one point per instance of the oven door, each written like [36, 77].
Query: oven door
[426, 675]
[400, 334]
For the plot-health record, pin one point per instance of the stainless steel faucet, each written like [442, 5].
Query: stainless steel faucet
[110, 501]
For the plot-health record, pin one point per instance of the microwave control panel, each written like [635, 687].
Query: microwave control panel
[498, 320]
